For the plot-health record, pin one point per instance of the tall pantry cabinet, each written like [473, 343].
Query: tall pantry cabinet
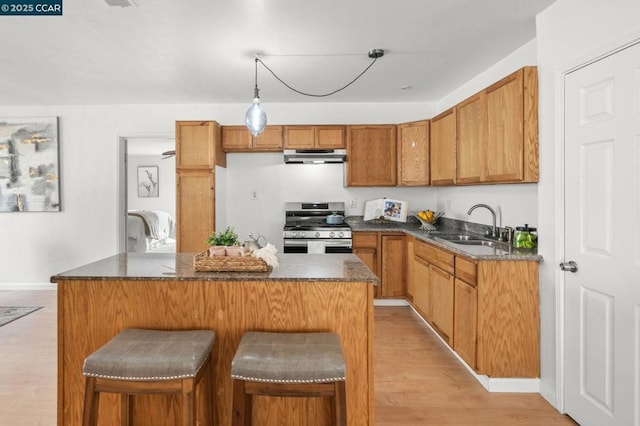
[198, 151]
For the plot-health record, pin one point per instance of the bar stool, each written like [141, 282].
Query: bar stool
[289, 365]
[150, 362]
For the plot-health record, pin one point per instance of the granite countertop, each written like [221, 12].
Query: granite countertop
[500, 251]
[180, 267]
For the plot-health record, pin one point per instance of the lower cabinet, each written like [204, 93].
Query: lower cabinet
[442, 302]
[486, 310]
[385, 254]
[393, 265]
[465, 321]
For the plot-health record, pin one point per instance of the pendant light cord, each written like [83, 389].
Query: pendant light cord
[312, 94]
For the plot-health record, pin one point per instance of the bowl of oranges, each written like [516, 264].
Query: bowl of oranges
[427, 219]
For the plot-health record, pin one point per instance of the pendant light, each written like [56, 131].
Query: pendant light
[256, 118]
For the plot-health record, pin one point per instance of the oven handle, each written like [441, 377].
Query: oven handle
[329, 243]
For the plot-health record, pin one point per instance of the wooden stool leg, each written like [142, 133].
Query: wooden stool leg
[339, 404]
[188, 402]
[209, 380]
[91, 402]
[126, 412]
[242, 404]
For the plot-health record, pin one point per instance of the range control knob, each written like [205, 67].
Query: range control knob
[341, 234]
[318, 234]
[302, 234]
[332, 234]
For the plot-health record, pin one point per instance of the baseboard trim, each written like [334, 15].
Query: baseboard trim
[390, 302]
[29, 286]
[491, 384]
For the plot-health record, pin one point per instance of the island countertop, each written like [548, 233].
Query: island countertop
[180, 267]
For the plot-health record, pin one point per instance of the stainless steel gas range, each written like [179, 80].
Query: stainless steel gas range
[306, 229]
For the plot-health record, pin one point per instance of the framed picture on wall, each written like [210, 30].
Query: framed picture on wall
[148, 181]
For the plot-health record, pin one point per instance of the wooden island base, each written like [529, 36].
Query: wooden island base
[93, 310]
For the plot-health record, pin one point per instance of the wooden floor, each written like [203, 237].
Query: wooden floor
[417, 380]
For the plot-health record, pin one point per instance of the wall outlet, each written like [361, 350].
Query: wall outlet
[254, 195]
[352, 204]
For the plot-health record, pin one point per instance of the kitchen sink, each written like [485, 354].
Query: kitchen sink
[465, 239]
[458, 238]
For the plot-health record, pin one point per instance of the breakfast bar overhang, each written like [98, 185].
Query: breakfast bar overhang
[163, 291]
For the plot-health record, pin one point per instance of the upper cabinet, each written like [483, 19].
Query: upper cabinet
[198, 145]
[413, 153]
[198, 151]
[512, 128]
[239, 139]
[471, 136]
[443, 148]
[497, 132]
[314, 137]
[371, 155]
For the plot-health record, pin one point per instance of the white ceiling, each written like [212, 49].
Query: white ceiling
[201, 51]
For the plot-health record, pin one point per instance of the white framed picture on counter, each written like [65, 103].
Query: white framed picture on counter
[387, 209]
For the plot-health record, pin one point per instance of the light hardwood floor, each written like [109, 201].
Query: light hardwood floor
[417, 380]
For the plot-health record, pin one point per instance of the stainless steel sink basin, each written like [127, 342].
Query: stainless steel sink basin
[465, 239]
[458, 238]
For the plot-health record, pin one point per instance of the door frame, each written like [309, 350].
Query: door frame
[603, 51]
[121, 204]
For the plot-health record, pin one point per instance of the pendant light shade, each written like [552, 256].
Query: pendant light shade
[256, 118]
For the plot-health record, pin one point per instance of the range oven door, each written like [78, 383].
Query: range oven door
[330, 246]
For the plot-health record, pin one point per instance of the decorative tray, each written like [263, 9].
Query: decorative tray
[204, 263]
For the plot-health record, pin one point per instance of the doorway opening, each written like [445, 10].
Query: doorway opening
[146, 199]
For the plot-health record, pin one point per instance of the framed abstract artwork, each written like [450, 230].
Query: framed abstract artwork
[148, 181]
[29, 177]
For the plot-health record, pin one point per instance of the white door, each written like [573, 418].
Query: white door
[602, 225]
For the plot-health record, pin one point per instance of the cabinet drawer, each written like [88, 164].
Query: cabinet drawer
[466, 270]
[442, 259]
[365, 239]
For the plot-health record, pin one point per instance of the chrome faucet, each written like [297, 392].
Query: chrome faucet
[494, 232]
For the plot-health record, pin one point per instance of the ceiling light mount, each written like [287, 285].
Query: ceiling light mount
[376, 53]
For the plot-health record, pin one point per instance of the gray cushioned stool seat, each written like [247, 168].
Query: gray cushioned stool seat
[289, 358]
[139, 362]
[147, 355]
[288, 365]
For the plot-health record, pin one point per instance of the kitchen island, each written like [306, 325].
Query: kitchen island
[163, 291]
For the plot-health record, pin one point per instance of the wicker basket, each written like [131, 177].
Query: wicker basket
[204, 263]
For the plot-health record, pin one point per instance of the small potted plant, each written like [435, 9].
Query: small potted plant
[224, 243]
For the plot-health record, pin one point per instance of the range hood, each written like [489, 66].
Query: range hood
[314, 156]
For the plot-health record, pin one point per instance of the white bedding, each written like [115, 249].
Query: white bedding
[149, 230]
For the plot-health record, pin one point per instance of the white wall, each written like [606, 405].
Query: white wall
[569, 33]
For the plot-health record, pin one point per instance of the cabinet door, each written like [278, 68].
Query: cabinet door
[512, 128]
[411, 276]
[299, 137]
[471, 139]
[195, 144]
[504, 160]
[371, 155]
[393, 275]
[465, 321]
[236, 138]
[422, 295]
[442, 302]
[443, 148]
[413, 154]
[269, 140]
[195, 209]
[330, 137]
